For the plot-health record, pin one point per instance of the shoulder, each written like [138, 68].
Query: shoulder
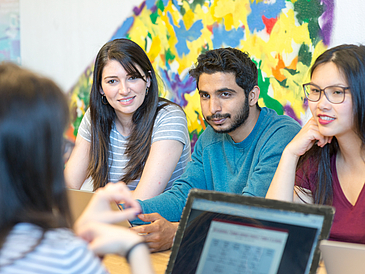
[87, 117]
[85, 126]
[170, 115]
[59, 249]
[272, 118]
[283, 125]
[170, 109]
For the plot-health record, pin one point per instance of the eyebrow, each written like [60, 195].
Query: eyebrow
[336, 85]
[219, 90]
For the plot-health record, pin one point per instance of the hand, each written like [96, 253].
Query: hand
[160, 234]
[105, 238]
[99, 209]
[306, 138]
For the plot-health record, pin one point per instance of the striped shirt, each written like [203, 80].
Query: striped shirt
[170, 124]
[59, 252]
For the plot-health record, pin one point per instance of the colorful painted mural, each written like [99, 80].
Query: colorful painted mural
[283, 37]
[9, 31]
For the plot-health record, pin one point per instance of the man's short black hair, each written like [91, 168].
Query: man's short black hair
[227, 60]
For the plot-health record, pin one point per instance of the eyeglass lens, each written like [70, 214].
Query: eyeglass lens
[334, 94]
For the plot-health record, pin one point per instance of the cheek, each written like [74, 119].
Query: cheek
[139, 87]
[312, 107]
[348, 112]
[107, 90]
[203, 106]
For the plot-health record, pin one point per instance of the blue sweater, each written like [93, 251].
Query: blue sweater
[220, 164]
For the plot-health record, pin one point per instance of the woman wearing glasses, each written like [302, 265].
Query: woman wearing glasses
[325, 162]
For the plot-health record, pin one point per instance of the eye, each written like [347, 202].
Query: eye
[204, 95]
[314, 90]
[226, 94]
[111, 81]
[337, 92]
[132, 77]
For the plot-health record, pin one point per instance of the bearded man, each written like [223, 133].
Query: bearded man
[238, 152]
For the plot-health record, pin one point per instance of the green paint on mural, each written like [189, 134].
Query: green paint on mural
[205, 48]
[309, 12]
[154, 17]
[169, 56]
[264, 84]
[291, 71]
[160, 5]
[192, 5]
[304, 55]
[283, 83]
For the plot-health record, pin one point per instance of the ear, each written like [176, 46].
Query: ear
[101, 91]
[253, 96]
[148, 79]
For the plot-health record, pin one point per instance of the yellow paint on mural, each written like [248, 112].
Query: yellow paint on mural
[276, 53]
[192, 107]
[155, 48]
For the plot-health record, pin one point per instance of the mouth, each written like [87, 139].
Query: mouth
[324, 119]
[218, 119]
[126, 100]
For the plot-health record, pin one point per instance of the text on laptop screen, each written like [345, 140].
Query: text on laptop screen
[221, 238]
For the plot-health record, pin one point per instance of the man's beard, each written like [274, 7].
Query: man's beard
[237, 121]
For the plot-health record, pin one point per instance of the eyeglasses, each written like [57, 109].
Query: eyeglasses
[334, 94]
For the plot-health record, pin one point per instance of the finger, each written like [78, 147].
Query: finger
[150, 217]
[323, 140]
[145, 229]
[118, 216]
[153, 237]
[113, 193]
[118, 192]
[122, 194]
[87, 232]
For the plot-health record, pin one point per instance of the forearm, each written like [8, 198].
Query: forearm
[282, 185]
[166, 204]
[76, 167]
[160, 165]
[140, 261]
[72, 180]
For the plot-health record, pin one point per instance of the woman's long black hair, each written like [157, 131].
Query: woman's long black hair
[33, 116]
[128, 54]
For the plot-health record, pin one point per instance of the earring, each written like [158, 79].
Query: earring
[147, 90]
[104, 100]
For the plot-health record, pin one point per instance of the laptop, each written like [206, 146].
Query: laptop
[341, 257]
[230, 233]
[79, 199]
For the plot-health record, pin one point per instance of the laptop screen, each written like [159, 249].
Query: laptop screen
[228, 237]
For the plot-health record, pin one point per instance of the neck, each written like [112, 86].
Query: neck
[123, 124]
[351, 149]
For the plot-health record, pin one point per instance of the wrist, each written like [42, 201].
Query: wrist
[288, 154]
[135, 249]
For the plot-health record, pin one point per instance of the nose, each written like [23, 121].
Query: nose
[323, 102]
[123, 88]
[214, 105]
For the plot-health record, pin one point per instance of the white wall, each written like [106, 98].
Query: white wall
[60, 38]
[349, 22]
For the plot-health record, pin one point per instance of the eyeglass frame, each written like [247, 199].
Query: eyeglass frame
[324, 92]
